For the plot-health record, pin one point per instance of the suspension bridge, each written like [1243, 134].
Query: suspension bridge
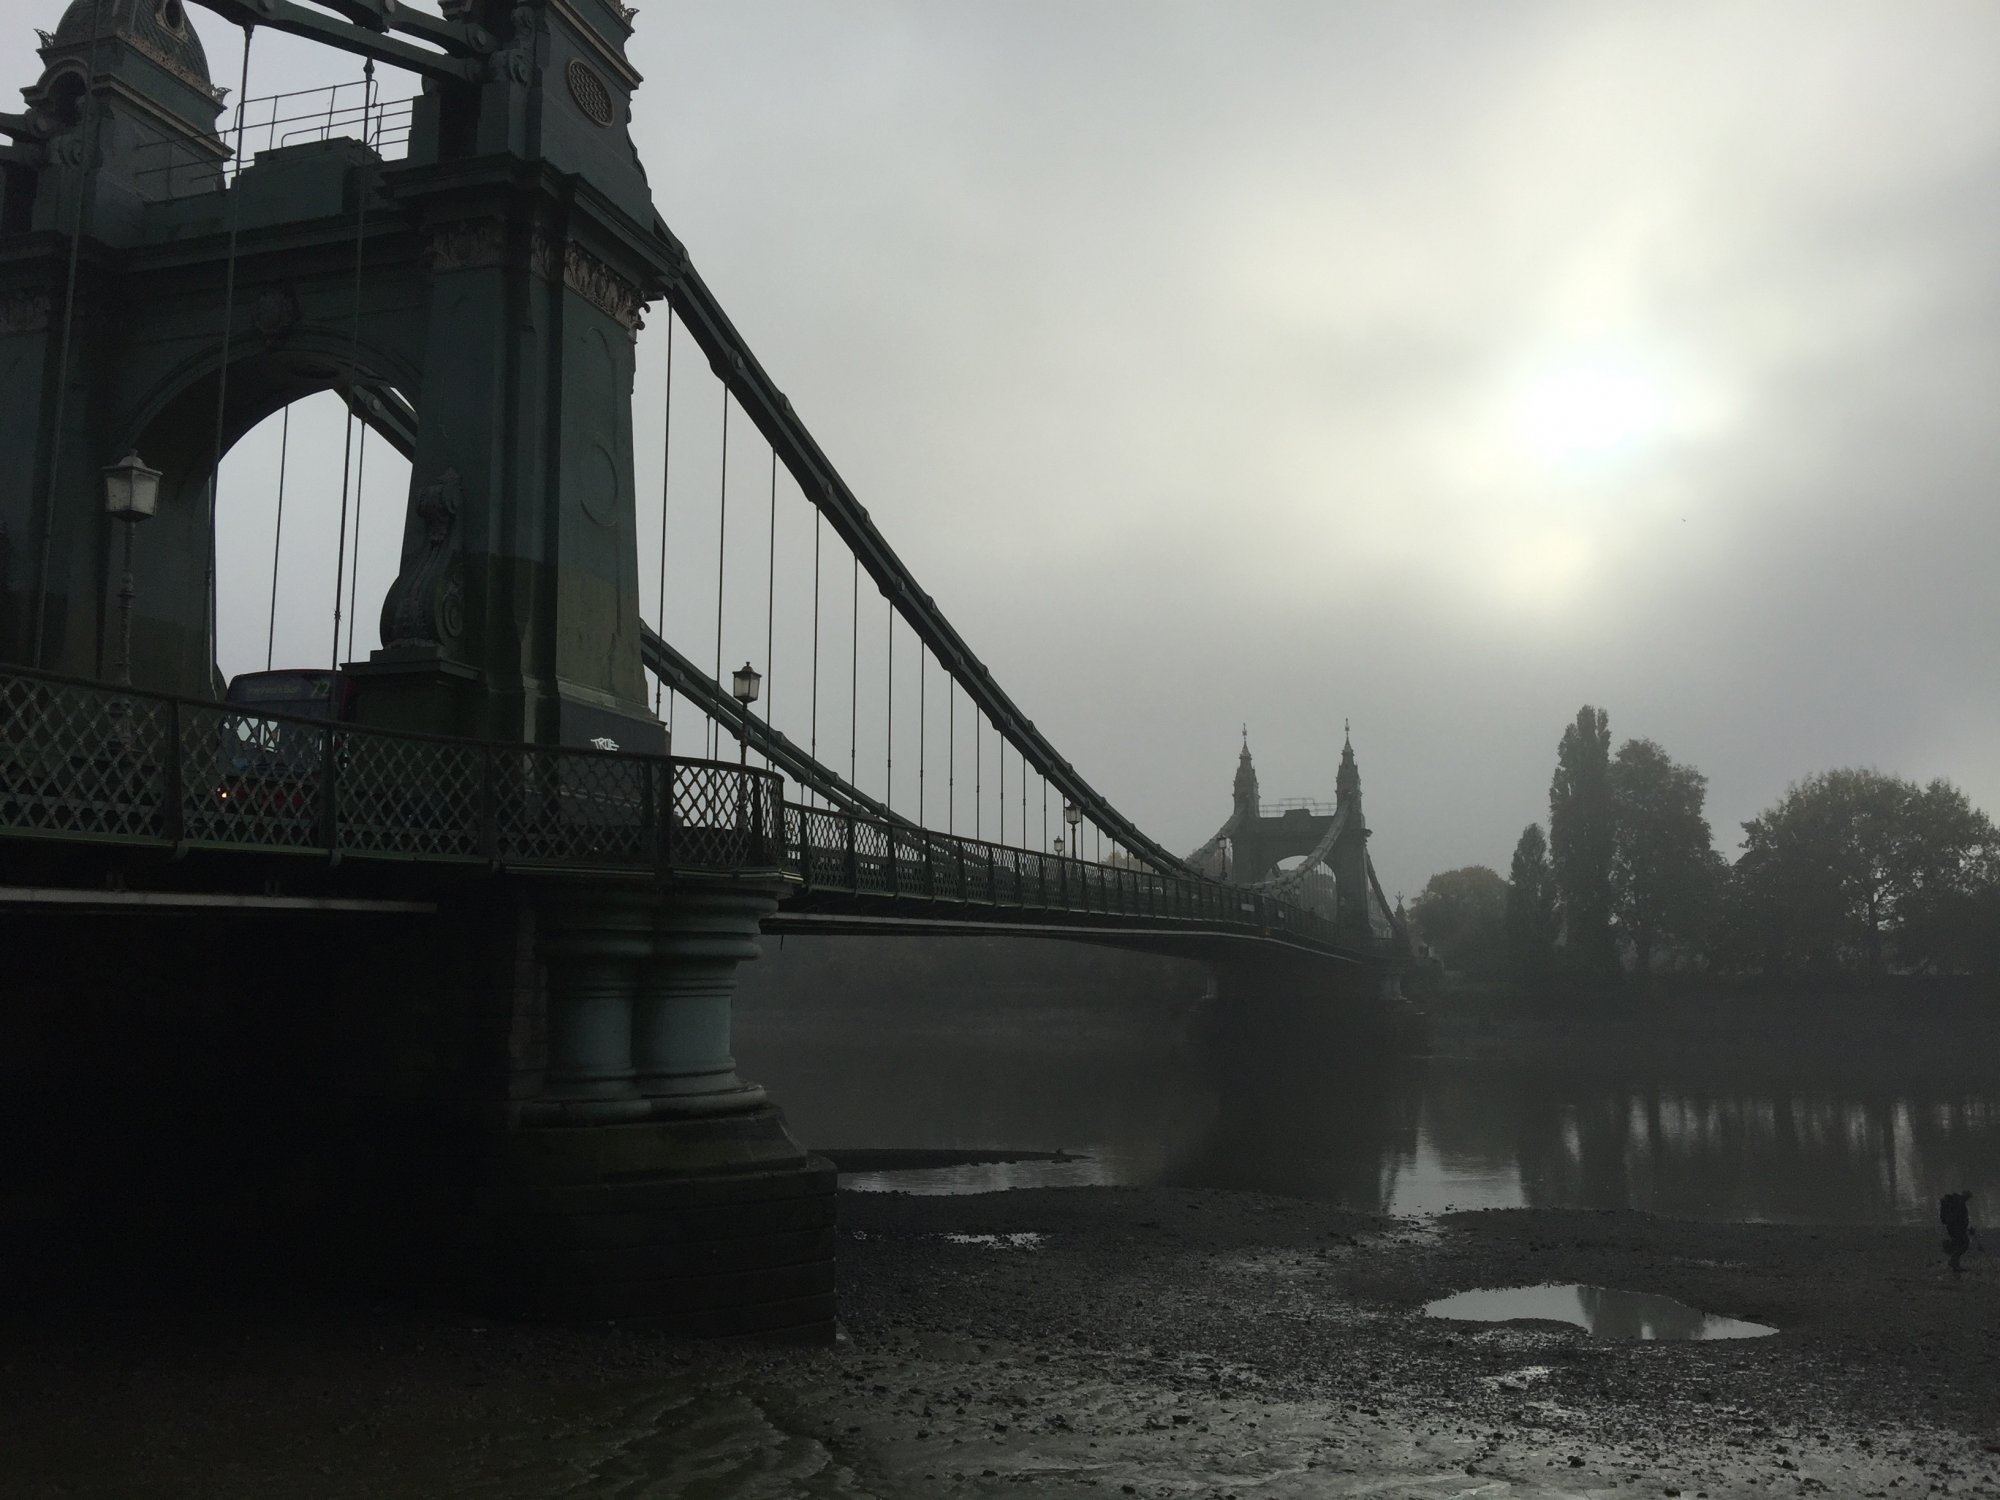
[551, 894]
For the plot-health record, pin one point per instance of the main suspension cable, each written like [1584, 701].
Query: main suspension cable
[278, 535]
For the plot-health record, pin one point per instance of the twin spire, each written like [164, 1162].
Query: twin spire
[1347, 783]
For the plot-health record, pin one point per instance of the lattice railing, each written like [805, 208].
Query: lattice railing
[82, 760]
[838, 853]
[74, 767]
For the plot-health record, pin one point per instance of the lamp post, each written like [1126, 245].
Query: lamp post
[743, 685]
[1073, 815]
[131, 495]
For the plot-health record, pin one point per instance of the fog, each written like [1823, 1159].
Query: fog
[1437, 368]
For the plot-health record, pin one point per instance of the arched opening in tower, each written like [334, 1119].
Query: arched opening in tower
[279, 544]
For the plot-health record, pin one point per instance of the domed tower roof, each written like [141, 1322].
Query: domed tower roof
[147, 69]
[158, 28]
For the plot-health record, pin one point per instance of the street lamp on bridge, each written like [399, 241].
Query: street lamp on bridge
[743, 685]
[1073, 815]
[131, 495]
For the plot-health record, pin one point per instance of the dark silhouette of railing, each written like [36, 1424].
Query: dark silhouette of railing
[851, 855]
[83, 761]
[88, 762]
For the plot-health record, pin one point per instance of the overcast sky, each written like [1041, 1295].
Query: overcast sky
[1439, 366]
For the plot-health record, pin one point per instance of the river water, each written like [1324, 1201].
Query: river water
[1146, 1104]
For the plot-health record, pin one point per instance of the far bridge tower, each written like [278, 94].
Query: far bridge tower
[1328, 841]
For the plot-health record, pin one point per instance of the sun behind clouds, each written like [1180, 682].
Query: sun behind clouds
[1587, 410]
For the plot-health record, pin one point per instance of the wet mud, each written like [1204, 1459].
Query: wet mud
[1071, 1342]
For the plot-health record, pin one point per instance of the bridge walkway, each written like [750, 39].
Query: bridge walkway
[93, 766]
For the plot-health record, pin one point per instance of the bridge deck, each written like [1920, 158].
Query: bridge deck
[86, 764]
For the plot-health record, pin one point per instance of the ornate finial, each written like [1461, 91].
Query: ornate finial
[1246, 735]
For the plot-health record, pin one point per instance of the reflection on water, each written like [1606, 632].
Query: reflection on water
[993, 1177]
[1251, 1105]
[1603, 1312]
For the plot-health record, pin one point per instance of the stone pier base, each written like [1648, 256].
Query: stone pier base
[709, 1228]
[646, 1181]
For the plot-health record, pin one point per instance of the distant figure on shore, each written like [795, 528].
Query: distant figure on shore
[1956, 1216]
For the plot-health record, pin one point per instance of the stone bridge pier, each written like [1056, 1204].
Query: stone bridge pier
[645, 1179]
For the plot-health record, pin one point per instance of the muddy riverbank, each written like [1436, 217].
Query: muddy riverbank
[1146, 1341]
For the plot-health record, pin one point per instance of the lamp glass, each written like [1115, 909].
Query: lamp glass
[131, 490]
[1072, 814]
[744, 682]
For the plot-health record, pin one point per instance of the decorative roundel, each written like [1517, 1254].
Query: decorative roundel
[589, 91]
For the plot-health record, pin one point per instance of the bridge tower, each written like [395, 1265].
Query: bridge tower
[1350, 849]
[1245, 807]
[478, 302]
[1334, 842]
[494, 281]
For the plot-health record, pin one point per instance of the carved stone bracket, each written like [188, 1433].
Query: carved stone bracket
[478, 243]
[603, 288]
[468, 245]
[545, 250]
[277, 311]
[425, 606]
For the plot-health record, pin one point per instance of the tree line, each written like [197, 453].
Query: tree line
[1851, 872]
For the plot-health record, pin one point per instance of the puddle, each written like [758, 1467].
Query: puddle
[1600, 1311]
[1026, 1239]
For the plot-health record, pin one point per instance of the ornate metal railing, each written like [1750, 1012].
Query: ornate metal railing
[844, 854]
[86, 761]
[83, 761]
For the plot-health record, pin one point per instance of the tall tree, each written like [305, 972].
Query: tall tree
[1661, 875]
[1815, 873]
[1580, 841]
[1531, 908]
[1462, 914]
[1850, 861]
[1946, 864]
